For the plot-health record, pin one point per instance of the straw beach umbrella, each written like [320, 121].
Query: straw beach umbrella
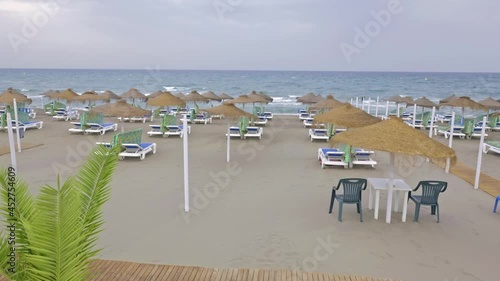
[67, 95]
[133, 94]
[328, 103]
[424, 103]
[490, 103]
[224, 96]
[446, 100]
[165, 99]
[465, 102]
[308, 99]
[229, 111]
[155, 94]
[8, 96]
[120, 109]
[243, 99]
[89, 96]
[49, 93]
[268, 98]
[346, 116]
[180, 95]
[398, 100]
[11, 96]
[394, 136]
[109, 95]
[212, 96]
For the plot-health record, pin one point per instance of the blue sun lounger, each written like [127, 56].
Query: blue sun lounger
[331, 157]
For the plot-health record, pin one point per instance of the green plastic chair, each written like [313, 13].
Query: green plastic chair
[429, 197]
[352, 195]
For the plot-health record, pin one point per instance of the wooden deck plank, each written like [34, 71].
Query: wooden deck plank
[106, 270]
[487, 183]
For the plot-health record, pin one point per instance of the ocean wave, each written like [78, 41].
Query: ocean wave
[25, 90]
[175, 89]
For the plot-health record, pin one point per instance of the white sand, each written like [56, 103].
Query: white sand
[272, 210]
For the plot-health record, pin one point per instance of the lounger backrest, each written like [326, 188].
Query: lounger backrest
[91, 117]
[362, 156]
[22, 116]
[335, 156]
[128, 137]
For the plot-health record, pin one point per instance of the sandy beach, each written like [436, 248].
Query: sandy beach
[268, 208]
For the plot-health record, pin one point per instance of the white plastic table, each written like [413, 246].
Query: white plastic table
[378, 184]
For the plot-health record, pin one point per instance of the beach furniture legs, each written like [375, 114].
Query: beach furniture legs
[370, 198]
[377, 203]
[405, 206]
[496, 204]
[332, 200]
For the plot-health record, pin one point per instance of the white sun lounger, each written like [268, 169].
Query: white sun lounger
[303, 116]
[491, 146]
[268, 115]
[201, 119]
[137, 150]
[476, 133]
[176, 130]
[135, 119]
[66, 115]
[254, 132]
[77, 128]
[101, 128]
[363, 157]
[234, 132]
[457, 132]
[318, 134]
[155, 130]
[261, 122]
[27, 125]
[331, 157]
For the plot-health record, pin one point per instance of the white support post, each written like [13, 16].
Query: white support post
[387, 109]
[363, 104]
[18, 138]
[228, 143]
[415, 114]
[352, 101]
[369, 105]
[432, 121]
[357, 102]
[186, 164]
[11, 142]
[450, 143]
[376, 108]
[397, 110]
[480, 154]
[390, 191]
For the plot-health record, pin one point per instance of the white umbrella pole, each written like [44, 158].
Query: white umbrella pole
[369, 105]
[376, 109]
[480, 154]
[432, 121]
[363, 104]
[390, 191]
[186, 164]
[397, 110]
[352, 103]
[414, 114]
[450, 143]
[11, 142]
[387, 109]
[228, 143]
[17, 126]
[357, 102]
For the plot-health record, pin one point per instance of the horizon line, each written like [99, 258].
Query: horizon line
[261, 70]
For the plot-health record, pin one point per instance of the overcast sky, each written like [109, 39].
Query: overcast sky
[421, 35]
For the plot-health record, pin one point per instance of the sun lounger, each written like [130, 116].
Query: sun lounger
[155, 130]
[491, 146]
[363, 157]
[254, 132]
[418, 124]
[26, 125]
[234, 132]
[176, 130]
[268, 115]
[202, 119]
[476, 133]
[331, 157]
[66, 115]
[137, 149]
[77, 128]
[261, 122]
[304, 116]
[446, 118]
[496, 127]
[135, 119]
[100, 128]
[318, 134]
[457, 132]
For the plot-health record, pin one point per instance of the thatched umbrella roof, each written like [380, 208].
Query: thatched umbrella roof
[394, 136]
[120, 109]
[241, 99]
[229, 111]
[446, 100]
[133, 94]
[329, 103]
[165, 99]
[257, 98]
[346, 116]
[109, 95]
[400, 99]
[89, 96]
[308, 98]
[268, 98]
[212, 96]
[225, 96]
[8, 96]
[490, 103]
[155, 94]
[464, 102]
[424, 102]
[195, 96]
[67, 94]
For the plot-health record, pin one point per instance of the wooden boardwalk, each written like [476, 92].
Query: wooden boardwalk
[107, 270]
[487, 183]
